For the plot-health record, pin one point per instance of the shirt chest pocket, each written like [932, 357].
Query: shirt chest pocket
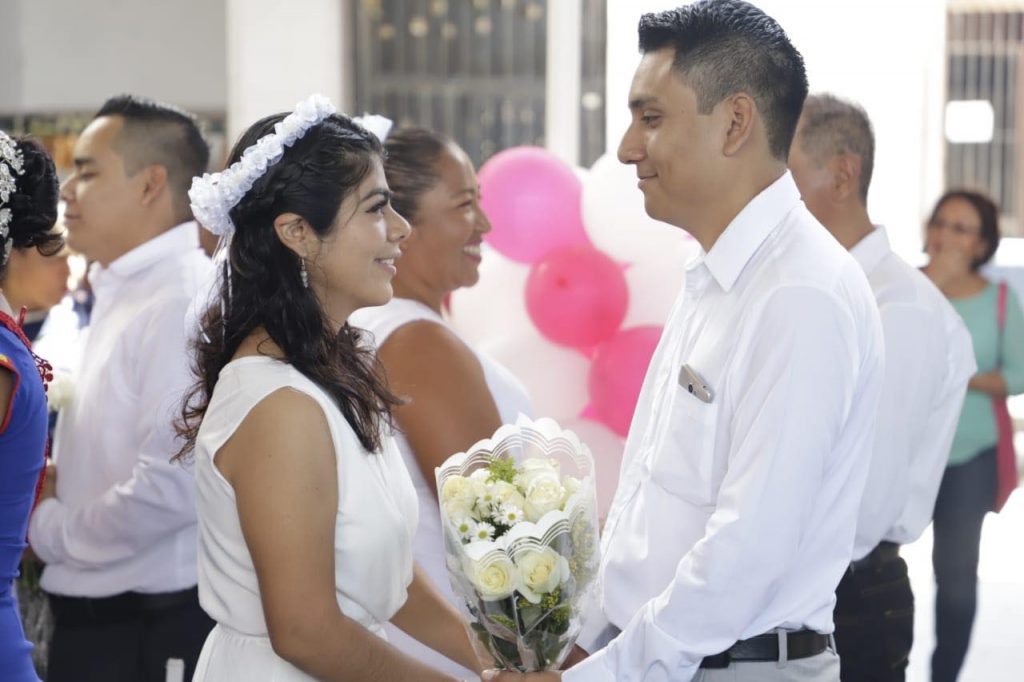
[684, 459]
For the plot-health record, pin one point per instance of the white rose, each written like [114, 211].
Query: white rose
[541, 572]
[534, 467]
[458, 494]
[544, 494]
[456, 487]
[508, 494]
[494, 578]
[572, 486]
[480, 475]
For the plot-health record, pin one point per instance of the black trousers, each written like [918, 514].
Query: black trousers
[874, 619]
[966, 494]
[125, 638]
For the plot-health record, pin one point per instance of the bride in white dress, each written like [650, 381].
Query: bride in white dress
[306, 511]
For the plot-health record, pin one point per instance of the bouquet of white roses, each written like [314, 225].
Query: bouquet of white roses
[520, 525]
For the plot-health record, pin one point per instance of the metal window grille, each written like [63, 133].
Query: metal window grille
[984, 49]
[473, 69]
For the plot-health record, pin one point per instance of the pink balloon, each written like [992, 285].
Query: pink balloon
[577, 297]
[533, 201]
[617, 374]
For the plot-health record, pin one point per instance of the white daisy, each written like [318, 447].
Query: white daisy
[465, 527]
[510, 514]
[483, 531]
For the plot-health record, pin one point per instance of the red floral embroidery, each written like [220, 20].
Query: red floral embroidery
[44, 367]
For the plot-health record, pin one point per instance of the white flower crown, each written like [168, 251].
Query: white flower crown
[214, 194]
[12, 163]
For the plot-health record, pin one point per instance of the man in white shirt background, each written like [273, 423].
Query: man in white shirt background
[116, 526]
[928, 362]
[746, 459]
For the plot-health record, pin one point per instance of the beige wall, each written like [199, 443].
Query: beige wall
[60, 55]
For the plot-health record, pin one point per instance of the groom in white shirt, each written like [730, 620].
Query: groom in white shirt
[750, 445]
[117, 522]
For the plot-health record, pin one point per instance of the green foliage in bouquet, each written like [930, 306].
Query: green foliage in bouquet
[502, 469]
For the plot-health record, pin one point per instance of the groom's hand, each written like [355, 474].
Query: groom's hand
[506, 676]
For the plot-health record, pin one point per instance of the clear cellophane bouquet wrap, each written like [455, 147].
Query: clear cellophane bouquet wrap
[520, 529]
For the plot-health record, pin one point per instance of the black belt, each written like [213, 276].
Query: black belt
[86, 611]
[884, 553]
[799, 644]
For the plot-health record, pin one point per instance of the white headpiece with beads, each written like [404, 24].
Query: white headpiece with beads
[12, 163]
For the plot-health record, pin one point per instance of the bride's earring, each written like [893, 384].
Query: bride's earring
[303, 273]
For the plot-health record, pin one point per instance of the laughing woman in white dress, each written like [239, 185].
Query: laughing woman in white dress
[455, 394]
[306, 511]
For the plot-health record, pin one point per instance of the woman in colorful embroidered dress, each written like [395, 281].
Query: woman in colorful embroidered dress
[28, 210]
[306, 512]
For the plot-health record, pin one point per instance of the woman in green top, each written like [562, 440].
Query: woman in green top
[962, 235]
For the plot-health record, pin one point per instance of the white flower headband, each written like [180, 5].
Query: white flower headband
[214, 194]
[12, 163]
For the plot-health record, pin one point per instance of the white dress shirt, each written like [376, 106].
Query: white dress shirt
[736, 517]
[928, 360]
[124, 516]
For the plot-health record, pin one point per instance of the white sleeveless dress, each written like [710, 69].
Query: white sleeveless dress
[511, 399]
[372, 541]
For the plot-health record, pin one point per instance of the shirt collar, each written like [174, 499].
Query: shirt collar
[178, 239]
[870, 250]
[748, 230]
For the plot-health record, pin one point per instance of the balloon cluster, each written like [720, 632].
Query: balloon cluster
[573, 291]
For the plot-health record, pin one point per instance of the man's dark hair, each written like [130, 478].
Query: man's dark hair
[160, 134]
[728, 46]
[830, 127]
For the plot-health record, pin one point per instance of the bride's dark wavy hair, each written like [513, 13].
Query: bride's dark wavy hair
[311, 180]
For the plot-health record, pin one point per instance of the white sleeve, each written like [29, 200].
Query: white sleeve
[158, 498]
[914, 372]
[930, 455]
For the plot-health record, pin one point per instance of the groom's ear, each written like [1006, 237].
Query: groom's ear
[738, 114]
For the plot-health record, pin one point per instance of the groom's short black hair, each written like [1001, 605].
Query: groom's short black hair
[727, 46]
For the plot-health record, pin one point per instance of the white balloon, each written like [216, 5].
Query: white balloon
[607, 447]
[496, 307]
[614, 215]
[554, 376]
[654, 283]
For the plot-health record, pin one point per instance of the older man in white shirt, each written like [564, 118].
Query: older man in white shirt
[117, 523]
[743, 471]
[929, 360]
